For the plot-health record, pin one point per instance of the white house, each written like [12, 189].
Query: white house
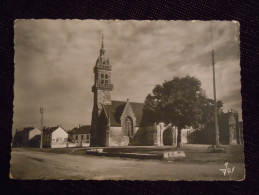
[31, 137]
[54, 137]
[81, 135]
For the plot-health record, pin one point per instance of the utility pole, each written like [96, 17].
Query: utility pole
[41, 111]
[214, 90]
[215, 102]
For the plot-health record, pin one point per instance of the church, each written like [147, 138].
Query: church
[123, 123]
[119, 123]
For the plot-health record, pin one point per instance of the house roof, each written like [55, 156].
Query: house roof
[116, 109]
[84, 129]
[48, 130]
[27, 129]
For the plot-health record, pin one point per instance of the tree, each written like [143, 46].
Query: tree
[180, 102]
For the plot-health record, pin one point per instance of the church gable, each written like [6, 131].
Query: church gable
[138, 112]
[118, 110]
[128, 113]
[113, 113]
[128, 120]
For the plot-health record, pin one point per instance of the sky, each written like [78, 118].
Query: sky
[54, 61]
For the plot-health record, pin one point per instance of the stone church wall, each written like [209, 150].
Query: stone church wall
[140, 137]
[117, 137]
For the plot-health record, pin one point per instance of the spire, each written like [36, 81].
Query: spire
[102, 40]
[102, 50]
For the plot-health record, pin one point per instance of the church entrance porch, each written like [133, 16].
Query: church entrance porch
[167, 137]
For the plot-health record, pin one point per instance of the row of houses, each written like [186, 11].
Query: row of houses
[230, 133]
[52, 137]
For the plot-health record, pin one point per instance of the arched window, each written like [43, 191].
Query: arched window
[106, 78]
[102, 78]
[128, 125]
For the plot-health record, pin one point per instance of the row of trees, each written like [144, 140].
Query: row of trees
[180, 102]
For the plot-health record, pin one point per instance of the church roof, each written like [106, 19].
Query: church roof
[116, 108]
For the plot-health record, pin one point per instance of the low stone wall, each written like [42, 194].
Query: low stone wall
[62, 145]
[71, 145]
[85, 144]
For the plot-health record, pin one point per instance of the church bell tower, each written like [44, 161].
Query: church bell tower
[102, 96]
[102, 80]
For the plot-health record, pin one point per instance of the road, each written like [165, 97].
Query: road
[27, 164]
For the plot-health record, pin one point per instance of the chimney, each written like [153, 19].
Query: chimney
[127, 100]
[79, 126]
